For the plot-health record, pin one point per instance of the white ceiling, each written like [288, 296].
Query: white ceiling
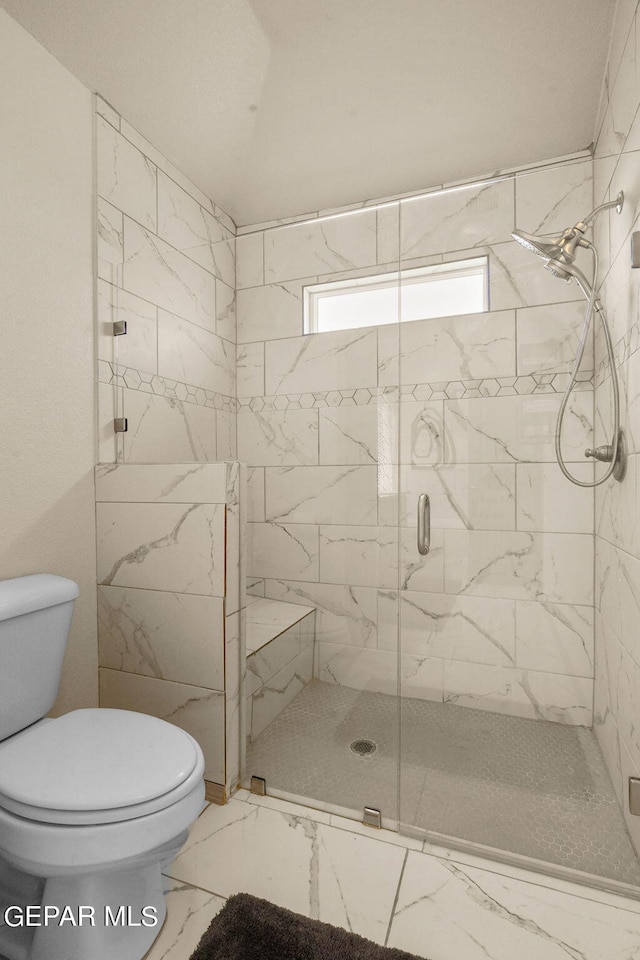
[280, 107]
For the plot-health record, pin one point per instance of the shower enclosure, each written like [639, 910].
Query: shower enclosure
[446, 692]
[387, 354]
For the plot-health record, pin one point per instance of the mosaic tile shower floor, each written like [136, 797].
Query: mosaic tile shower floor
[530, 787]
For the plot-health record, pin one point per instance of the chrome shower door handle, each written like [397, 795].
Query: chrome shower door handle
[424, 524]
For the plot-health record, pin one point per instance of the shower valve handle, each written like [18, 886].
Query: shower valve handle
[603, 453]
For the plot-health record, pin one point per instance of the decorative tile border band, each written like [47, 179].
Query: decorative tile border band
[164, 387]
[452, 390]
[144, 382]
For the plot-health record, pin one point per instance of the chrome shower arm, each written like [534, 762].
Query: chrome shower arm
[617, 203]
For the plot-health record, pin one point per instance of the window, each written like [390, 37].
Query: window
[442, 290]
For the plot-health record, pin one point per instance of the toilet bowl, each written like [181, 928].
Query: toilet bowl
[92, 804]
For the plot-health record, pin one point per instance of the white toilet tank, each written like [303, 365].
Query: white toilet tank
[35, 616]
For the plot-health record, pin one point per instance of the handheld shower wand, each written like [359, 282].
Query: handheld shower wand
[559, 256]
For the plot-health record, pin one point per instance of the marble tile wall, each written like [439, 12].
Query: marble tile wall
[617, 516]
[166, 266]
[169, 599]
[499, 615]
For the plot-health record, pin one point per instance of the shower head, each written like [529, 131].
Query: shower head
[558, 270]
[560, 254]
[562, 249]
[542, 248]
[568, 271]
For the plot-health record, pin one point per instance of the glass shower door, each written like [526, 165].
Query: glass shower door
[498, 754]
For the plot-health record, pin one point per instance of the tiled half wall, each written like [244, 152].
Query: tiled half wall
[170, 598]
[499, 615]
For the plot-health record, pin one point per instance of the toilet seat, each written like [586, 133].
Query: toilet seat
[97, 766]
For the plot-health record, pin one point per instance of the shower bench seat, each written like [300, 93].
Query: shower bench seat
[267, 619]
[280, 649]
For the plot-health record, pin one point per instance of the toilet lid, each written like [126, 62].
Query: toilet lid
[95, 760]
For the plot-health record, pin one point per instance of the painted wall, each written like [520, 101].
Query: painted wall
[166, 266]
[499, 615]
[47, 427]
[617, 593]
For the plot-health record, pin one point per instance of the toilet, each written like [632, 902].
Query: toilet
[92, 804]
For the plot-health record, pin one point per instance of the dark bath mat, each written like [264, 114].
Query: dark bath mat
[251, 929]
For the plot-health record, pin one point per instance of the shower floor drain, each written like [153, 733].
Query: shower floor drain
[363, 747]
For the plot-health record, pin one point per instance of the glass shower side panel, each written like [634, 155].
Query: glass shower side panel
[166, 350]
[318, 428]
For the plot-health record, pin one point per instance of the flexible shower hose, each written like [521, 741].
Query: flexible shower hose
[591, 305]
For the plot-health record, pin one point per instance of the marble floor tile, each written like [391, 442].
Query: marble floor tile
[446, 911]
[189, 913]
[316, 870]
[442, 904]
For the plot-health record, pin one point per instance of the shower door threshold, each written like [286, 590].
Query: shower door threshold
[332, 809]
